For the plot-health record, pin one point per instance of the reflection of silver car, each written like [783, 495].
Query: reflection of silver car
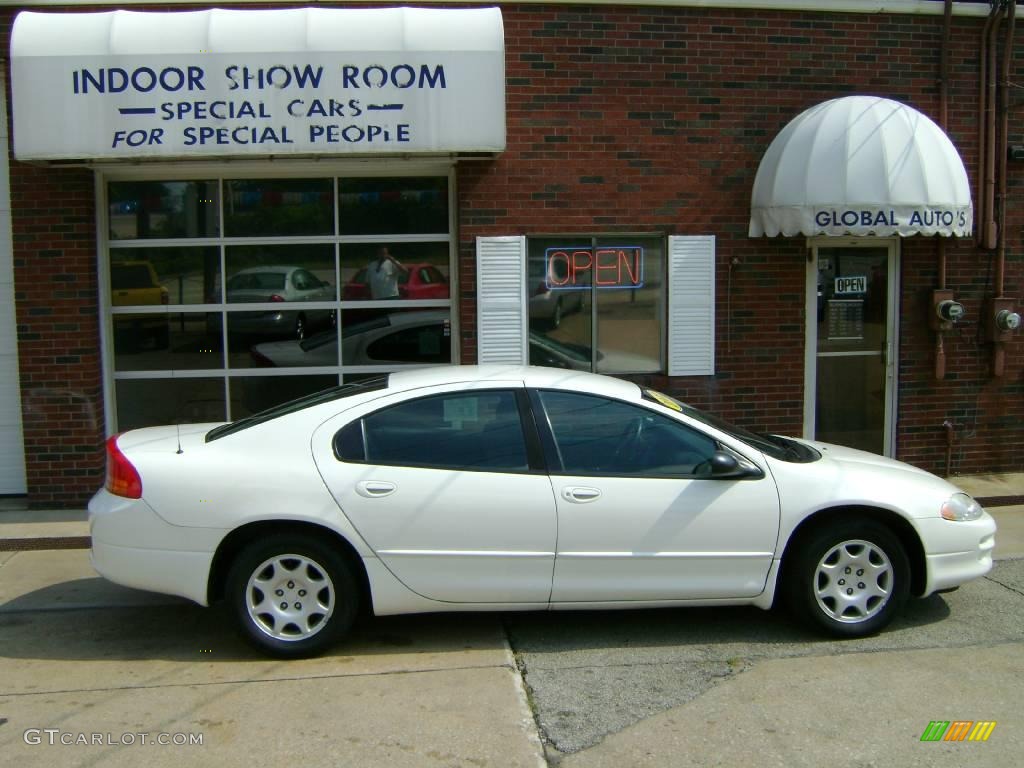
[552, 353]
[548, 307]
[400, 337]
[276, 284]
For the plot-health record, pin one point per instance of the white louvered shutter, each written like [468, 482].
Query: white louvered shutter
[501, 324]
[691, 306]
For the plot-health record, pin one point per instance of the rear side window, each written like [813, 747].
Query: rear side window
[458, 431]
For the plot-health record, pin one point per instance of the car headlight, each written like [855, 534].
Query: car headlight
[961, 507]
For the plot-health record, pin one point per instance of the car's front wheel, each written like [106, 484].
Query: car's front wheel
[292, 596]
[849, 579]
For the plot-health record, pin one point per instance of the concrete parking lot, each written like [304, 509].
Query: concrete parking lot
[104, 668]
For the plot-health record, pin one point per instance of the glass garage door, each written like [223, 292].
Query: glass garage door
[227, 296]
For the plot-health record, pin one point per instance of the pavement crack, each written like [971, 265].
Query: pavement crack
[1003, 584]
[297, 678]
[547, 753]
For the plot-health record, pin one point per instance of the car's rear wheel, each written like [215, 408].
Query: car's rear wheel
[292, 596]
[849, 579]
[556, 313]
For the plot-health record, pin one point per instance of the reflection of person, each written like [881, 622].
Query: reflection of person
[383, 275]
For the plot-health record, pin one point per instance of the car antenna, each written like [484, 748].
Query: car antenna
[177, 428]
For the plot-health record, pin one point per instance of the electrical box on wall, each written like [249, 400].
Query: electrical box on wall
[1003, 319]
[945, 310]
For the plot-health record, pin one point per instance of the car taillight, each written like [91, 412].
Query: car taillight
[277, 297]
[122, 478]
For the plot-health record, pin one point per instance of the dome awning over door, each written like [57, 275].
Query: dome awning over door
[861, 165]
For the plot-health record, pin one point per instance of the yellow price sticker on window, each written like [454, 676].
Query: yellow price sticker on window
[665, 400]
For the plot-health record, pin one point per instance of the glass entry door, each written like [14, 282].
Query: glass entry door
[850, 396]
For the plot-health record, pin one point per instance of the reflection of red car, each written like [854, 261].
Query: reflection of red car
[418, 281]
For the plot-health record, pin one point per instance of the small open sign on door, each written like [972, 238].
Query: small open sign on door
[854, 284]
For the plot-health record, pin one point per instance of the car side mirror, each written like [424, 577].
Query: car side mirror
[724, 466]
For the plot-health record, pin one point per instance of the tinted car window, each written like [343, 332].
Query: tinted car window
[128, 276]
[476, 430]
[595, 435]
[424, 344]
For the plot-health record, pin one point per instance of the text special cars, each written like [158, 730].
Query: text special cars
[463, 488]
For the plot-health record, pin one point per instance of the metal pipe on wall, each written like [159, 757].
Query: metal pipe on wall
[983, 77]
[947, 21]
[1004, 140]
[990, 235]
[998, 300]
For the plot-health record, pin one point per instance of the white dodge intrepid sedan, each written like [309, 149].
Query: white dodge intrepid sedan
[467, 488]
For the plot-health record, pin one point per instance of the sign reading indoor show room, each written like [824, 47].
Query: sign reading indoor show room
[393, 81]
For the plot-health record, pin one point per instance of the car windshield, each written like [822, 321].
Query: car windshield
[574, 351]
[317, 398]
[128, 276]
[776, 446]
[318, 340]
[257, 280]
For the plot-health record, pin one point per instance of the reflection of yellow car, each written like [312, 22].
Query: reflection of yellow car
[135, 284]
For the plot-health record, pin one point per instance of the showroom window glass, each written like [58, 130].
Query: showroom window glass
[597, 303]
[229, 295]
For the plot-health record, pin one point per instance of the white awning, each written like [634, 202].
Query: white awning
[861, 165]
[246, 82]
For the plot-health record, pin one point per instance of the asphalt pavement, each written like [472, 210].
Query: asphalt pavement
[90, 670]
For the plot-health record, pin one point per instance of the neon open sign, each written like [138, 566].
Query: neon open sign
[613, 266]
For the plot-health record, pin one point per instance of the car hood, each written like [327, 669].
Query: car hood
[846, 476]
[853, 456]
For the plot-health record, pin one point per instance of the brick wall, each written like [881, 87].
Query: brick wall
[53, 218]
[641, 119]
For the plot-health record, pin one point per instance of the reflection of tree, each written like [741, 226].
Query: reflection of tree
[395, 206]
[164, 209]
[279, 207]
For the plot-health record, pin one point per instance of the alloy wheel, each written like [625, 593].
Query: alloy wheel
[290, 597]
[853, 581]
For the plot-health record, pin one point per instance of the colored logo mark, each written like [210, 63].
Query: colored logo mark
[958, 730]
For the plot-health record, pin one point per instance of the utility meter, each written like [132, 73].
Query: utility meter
[951, 311]
[1007, 320]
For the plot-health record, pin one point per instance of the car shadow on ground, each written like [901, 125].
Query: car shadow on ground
[746, 626]
[92, 619]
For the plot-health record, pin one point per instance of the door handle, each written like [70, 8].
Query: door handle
[580, 494]
[373, 489]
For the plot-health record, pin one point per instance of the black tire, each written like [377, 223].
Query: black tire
[556, 314]
[314, 584]
[848, 579]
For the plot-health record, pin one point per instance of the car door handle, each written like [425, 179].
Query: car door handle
[372, 489]
[580, 494]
